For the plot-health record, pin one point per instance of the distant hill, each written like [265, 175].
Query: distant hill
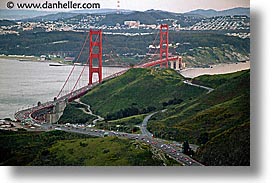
[7, 22]
[22, 14]
[150, 17]
[155, 14]
[102, 11]
[228, 12]
[75, 13]
[52, 17]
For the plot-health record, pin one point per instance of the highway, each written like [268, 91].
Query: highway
[174, 149]
[143, 126]
[169, 148]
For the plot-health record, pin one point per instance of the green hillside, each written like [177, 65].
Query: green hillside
[139, 91]
[207, 117]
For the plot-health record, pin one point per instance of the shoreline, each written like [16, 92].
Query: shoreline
[36, 59]
[224, 68]
[22, 58]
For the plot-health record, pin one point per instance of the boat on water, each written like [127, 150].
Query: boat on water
[56, 64]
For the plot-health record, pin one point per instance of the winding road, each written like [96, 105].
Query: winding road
[89, 111]
[199, 86]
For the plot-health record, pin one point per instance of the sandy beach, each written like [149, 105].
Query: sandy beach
[215, 69]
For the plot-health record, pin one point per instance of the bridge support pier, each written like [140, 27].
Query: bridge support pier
[95, 54]
[177, 64]
[172, 64]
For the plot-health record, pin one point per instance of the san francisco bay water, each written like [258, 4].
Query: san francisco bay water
[23, 84]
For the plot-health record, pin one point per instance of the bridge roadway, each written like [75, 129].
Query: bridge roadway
[156, 62]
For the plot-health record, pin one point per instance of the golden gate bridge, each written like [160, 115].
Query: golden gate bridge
[37, 113]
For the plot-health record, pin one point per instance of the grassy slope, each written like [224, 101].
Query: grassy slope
[109, 151]
[215, 113]
[216, 80]
[141, 88]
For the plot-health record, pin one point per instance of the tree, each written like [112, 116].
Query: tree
[186, 148]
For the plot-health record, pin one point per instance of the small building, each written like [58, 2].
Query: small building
[43, 57]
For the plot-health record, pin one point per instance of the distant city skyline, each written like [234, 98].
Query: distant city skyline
[179, 6]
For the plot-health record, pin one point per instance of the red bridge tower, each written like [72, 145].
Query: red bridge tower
[164, 41]
[95, 54]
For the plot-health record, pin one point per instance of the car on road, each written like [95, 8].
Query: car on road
[106, 134]
[173, 151]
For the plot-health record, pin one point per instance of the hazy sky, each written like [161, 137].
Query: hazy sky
[141, 5]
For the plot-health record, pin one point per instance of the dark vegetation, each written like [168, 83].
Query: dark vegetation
[21, 148]
[129, 111]
[230, 148]
[127, 124]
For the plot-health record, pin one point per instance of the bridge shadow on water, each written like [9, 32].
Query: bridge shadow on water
[178, 173]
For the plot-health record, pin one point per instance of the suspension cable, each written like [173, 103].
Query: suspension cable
[84, 66]
[73, 66]
[150, 49]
